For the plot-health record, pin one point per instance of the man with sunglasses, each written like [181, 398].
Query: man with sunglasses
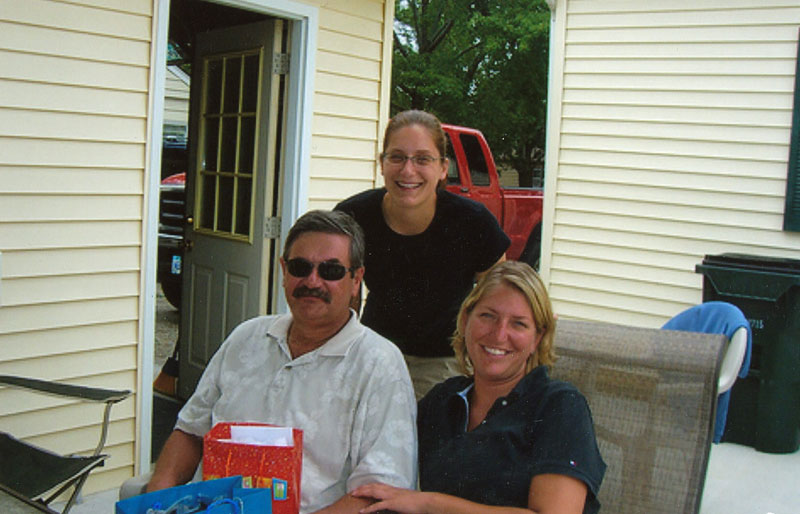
[317, 369]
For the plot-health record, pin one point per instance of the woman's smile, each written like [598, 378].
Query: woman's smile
[501, 334]
[495, 351]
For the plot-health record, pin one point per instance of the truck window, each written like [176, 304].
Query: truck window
[452, 168]
[478, 170]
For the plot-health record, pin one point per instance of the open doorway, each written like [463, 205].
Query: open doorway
[222, 166]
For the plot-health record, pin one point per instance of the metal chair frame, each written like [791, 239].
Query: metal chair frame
[91, 394]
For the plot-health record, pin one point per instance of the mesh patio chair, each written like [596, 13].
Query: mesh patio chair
[652, 396]
[39, 475]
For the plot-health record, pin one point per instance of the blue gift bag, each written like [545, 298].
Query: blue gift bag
[221, 496]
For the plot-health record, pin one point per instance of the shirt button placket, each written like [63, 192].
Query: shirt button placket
[279, 384]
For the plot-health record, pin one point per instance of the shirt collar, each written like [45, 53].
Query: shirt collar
[529, 381]
[463, 394]
[336, 346]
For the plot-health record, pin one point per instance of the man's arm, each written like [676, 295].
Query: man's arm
[347, 504]
[177, 462]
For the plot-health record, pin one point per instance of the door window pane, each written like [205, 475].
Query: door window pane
[250, 83]
[233, 69]
[227, 162]
[210, 149]
[213, 85]
[208, 192]
[225, 204]
[247, 142]
[243, 202]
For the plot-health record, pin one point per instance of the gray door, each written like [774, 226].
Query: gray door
[231, 188]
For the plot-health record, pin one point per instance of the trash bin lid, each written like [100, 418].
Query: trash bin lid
[755, 262]
[751, 276]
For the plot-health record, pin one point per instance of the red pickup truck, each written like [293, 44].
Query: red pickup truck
[472, 174]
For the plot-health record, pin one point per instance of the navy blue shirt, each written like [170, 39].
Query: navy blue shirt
[417, 283]
[542, 426]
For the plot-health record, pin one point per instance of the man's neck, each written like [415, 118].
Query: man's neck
[303, 338]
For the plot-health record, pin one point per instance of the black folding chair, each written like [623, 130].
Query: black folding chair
[31, 472]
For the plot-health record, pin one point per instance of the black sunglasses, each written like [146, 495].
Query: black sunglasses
[299, 267]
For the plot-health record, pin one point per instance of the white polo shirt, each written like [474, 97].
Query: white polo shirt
[352, 397]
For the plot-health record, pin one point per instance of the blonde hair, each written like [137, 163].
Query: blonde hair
[524, 279]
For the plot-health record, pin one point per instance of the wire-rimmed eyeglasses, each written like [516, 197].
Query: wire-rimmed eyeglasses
[399, 159]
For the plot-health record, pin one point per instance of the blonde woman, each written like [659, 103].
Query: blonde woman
[504, 437]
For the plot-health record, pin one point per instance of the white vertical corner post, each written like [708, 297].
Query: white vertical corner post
[555, 85]
[148, 286]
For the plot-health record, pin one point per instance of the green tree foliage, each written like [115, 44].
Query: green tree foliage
[481, 64]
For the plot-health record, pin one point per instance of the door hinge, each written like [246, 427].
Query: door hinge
[272, 227]
[280, 64]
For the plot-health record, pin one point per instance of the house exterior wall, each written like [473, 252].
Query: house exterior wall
[351, 99]
[75, 77]
[669, 132]
[176, 98]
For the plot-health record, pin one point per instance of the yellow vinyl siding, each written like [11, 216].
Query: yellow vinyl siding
[352, 87]
[66, 207]
[347, 100]
[343, 170]
[71, 288]
[73, 44]
[18, 179]
[50, 125]
[672, 144]
[67, 98]
[22, 346]
[120, 19]
[332, 126]
[74, 77]
[58, 70]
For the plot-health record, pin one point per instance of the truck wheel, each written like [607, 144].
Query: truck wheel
[172, 292]
[533, 248]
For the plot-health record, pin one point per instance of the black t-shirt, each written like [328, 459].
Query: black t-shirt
[542, 426]
[417, 283]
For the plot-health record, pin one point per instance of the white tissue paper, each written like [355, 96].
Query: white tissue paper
[262, 436]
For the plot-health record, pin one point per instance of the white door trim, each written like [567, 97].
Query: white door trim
[299, 111]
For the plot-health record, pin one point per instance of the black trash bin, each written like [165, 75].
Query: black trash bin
[764, 409]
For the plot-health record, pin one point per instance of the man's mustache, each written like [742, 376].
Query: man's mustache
[303, 291]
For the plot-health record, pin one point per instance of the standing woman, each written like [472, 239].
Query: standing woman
[425, 247]
[503, 438]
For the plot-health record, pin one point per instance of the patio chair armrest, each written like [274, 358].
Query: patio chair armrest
[92, 394]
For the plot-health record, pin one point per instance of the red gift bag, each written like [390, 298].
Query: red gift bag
[276, 467]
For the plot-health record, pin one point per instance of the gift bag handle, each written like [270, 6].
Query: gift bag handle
[238, 505]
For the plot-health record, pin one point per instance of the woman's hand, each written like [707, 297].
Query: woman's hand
[397, 499]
